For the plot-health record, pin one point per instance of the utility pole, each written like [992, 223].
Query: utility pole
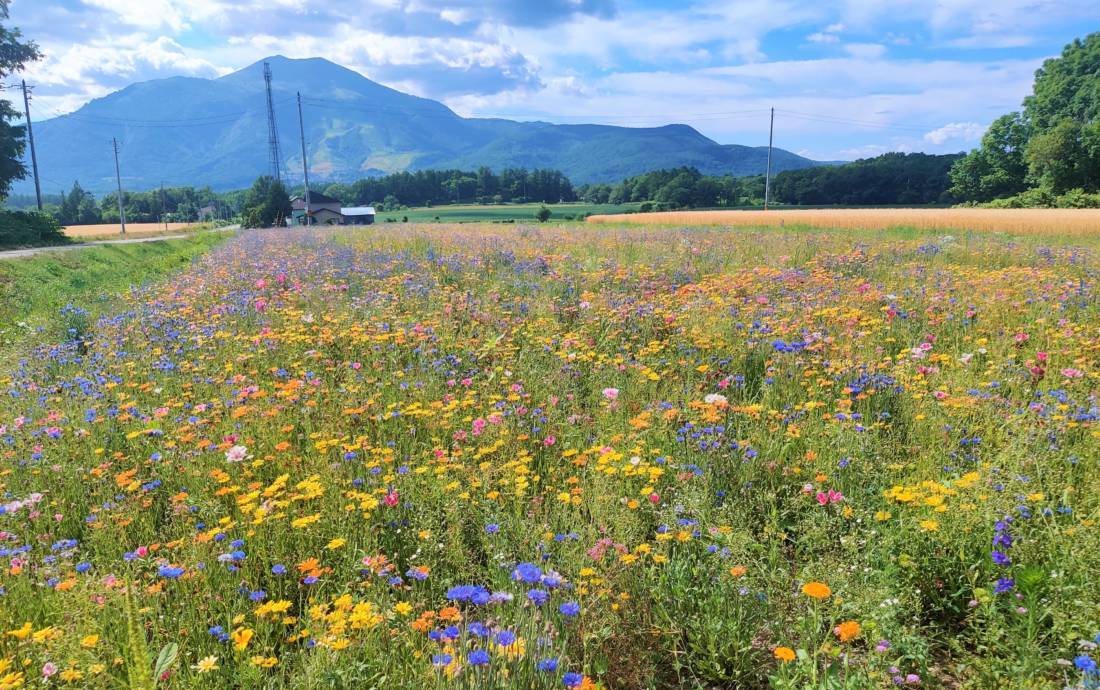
[305, 166]
[30, 135]
[768, 175]
[163, 215]
[118, 179]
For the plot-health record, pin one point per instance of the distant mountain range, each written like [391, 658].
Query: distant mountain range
[189, 131]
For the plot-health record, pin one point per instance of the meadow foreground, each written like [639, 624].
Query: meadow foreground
[475, 457]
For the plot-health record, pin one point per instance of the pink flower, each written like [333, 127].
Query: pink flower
[549, 441]
[48, 669]
[391, 498]
[611, 393]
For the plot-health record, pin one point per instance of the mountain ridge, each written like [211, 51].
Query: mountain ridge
[213, 132]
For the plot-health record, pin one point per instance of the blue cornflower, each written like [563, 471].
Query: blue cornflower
[505, 638]
[478, 657]
[1000, 558]
[527, 572]
[83, 567]
[570, 608]
[1003, 585]
[492, 528]
[442, 659]
[278, 569]
[169, 572]
[572, 680]
[1085, 663]
[550, 665]
[538, 596]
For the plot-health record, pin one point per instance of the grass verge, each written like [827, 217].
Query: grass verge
[34, 289]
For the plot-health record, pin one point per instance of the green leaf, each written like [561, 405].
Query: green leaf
[165, 659]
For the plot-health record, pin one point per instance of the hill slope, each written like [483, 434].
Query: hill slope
[214, 132]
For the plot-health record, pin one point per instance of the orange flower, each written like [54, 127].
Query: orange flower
[817, 590]
[784, 654]
[308, 565]
[738, 571]
[451, 613]
[848, 630]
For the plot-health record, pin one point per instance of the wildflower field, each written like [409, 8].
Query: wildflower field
[563, 457]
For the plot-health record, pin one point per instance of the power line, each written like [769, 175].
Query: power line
[829, 119]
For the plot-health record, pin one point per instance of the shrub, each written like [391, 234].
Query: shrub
[23, 229]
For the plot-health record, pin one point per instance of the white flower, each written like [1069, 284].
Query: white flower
[716, 399]
[236, 454]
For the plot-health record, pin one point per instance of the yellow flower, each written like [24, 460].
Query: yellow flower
[817, 590]
[207, 665]
[402, 608]
[70, 675]
[23, 632]
[784, 654]
[336, 543]
[89, 641]
[10, 681]
[241, 638]
[929, 525]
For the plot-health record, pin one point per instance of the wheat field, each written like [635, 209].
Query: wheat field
[132, 229]
[1022, 221]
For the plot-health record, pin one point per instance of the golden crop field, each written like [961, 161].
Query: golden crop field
[136, 229]
[1024, 221]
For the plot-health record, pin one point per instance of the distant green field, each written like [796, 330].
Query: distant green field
[498, 213]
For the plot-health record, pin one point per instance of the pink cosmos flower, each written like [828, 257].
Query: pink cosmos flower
[611, 393]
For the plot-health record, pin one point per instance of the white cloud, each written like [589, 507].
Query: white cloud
[865, 51]
[967, 132]
[827, 35]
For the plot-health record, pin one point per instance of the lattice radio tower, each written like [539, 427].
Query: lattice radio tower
[272, 130]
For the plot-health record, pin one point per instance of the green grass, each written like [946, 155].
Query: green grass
[35, 288]
[475, 213]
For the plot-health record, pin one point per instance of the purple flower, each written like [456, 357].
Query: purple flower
[478, 657]
[572, 680]
[1000, 558]
[570, 609]
[1003, 585]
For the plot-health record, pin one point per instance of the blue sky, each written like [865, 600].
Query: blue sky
[848, 79]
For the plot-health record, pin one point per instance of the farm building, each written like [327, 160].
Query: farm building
[325, 210]
[358, 215]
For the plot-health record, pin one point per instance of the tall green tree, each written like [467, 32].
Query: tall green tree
[1052, 144]
[15, 53]
[266, 203]
[1067, 86]
[997, 168]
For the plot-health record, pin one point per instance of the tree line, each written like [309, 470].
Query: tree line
[1048, 153]
[440, 187]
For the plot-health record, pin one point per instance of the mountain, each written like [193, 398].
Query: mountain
[188, 131]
